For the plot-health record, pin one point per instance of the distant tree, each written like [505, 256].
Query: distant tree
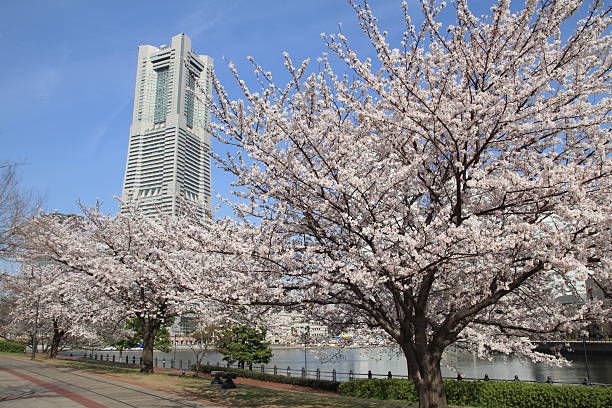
[245, 345]
[16, 206]
[63, 304]
[202, 340]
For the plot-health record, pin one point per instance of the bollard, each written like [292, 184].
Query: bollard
[275, 370]
[318, 374]
[389, 375]
[486, 377]
[334, 375]
[288, 371]
[369, 374]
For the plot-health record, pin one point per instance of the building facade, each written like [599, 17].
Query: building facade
[168, 159]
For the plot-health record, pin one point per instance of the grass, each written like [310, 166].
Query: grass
[244, 396]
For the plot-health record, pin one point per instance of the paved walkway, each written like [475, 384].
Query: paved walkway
[29, 384]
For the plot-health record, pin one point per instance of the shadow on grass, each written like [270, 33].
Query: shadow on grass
[256, 397]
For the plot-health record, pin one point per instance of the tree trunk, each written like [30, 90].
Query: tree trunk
[58, 335]
[149, 331]
[427, 378]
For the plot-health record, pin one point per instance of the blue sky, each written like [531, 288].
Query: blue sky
[68, 70]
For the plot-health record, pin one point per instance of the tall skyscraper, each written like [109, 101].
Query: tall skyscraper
[169, 147]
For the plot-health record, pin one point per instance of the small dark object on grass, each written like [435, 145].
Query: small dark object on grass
[216, 375]
[229, 384]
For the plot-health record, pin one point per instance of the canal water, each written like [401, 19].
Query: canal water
[384, 359]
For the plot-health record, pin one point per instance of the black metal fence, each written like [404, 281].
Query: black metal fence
[186, 365]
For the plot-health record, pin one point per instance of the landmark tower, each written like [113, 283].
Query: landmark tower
[168, 158]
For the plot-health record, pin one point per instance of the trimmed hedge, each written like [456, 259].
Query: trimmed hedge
[490, 394]
[10, 347]
[257, 375]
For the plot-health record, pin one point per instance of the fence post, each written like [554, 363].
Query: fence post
[181, 365]
[318, 374]
[172, 364]
[134, 359]
[275, 370]
[334, 375]
[140, 360]
[389, 375]
[127, 360]
[113, 358]
[288, 371]
[369, 374]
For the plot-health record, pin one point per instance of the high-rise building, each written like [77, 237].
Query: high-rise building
[169, 147]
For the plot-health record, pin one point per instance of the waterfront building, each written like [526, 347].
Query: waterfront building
[168, 161]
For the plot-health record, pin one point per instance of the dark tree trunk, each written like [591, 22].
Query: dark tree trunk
[56, 341]
[149, 331]
[424, 369]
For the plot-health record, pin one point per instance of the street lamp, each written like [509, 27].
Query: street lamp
[306, 335]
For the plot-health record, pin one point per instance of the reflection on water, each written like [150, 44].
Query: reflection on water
[384, 359]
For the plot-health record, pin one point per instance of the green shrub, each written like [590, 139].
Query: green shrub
[257, 375]
[491, 394]
[10, 347]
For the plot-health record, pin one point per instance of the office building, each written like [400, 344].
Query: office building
[168, 159]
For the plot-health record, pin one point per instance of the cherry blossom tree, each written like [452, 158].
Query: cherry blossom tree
[444, 192]
[136, 261]
[63, 304]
